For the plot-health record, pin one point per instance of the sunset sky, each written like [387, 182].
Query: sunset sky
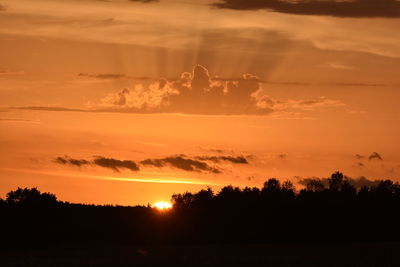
[131, 101]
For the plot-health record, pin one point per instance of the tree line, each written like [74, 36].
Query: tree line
[277, 212]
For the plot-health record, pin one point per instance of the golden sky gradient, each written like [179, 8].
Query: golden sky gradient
[104, 101]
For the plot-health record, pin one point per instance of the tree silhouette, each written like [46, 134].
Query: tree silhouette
[276, 212]
[31, 196]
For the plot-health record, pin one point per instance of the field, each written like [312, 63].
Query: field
[369, 254]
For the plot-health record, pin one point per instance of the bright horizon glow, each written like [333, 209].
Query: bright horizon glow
[161, 205]
[166, 180]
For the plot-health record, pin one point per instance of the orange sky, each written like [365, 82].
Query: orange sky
[103, 101]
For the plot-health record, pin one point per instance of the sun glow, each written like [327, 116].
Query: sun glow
[162, 205]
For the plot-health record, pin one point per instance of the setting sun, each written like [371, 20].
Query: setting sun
[162, 205]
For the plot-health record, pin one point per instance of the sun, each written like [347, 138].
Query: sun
[162, 205]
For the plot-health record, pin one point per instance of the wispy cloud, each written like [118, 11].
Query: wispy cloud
[337, 65]
[7, 72]
[375, 155]
[18, 120]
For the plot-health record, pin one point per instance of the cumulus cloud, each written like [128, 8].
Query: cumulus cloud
[375, 155]
[140, 98]
[346, 8]
[197, 92]
[181, 162]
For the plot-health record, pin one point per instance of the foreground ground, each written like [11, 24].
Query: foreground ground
[381, 254]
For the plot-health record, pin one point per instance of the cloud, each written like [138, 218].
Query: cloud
[116, 164]
[266, 102]
[104, 76]
[49, 108]
[181, 162]
[218, 159]
[375, 155]
[2, 8]
[67, 160]
[145, 1]
[113, 76]
[337, 65]
[345, 8]
[18, 120]
[197, 92]
[6, 72]
[154, 97]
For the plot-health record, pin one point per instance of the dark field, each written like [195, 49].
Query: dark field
[275, 226]
[367, 254]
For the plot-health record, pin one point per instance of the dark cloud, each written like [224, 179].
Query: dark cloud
[358, 156]
[145, 1]
[116, 164]
[282, 156]
[356, 182]
[110, 163]
[181, 162]
[2, 8]
[138, 1]
[346, 8]
[67, 160]
[217, 159]
[375, 155]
